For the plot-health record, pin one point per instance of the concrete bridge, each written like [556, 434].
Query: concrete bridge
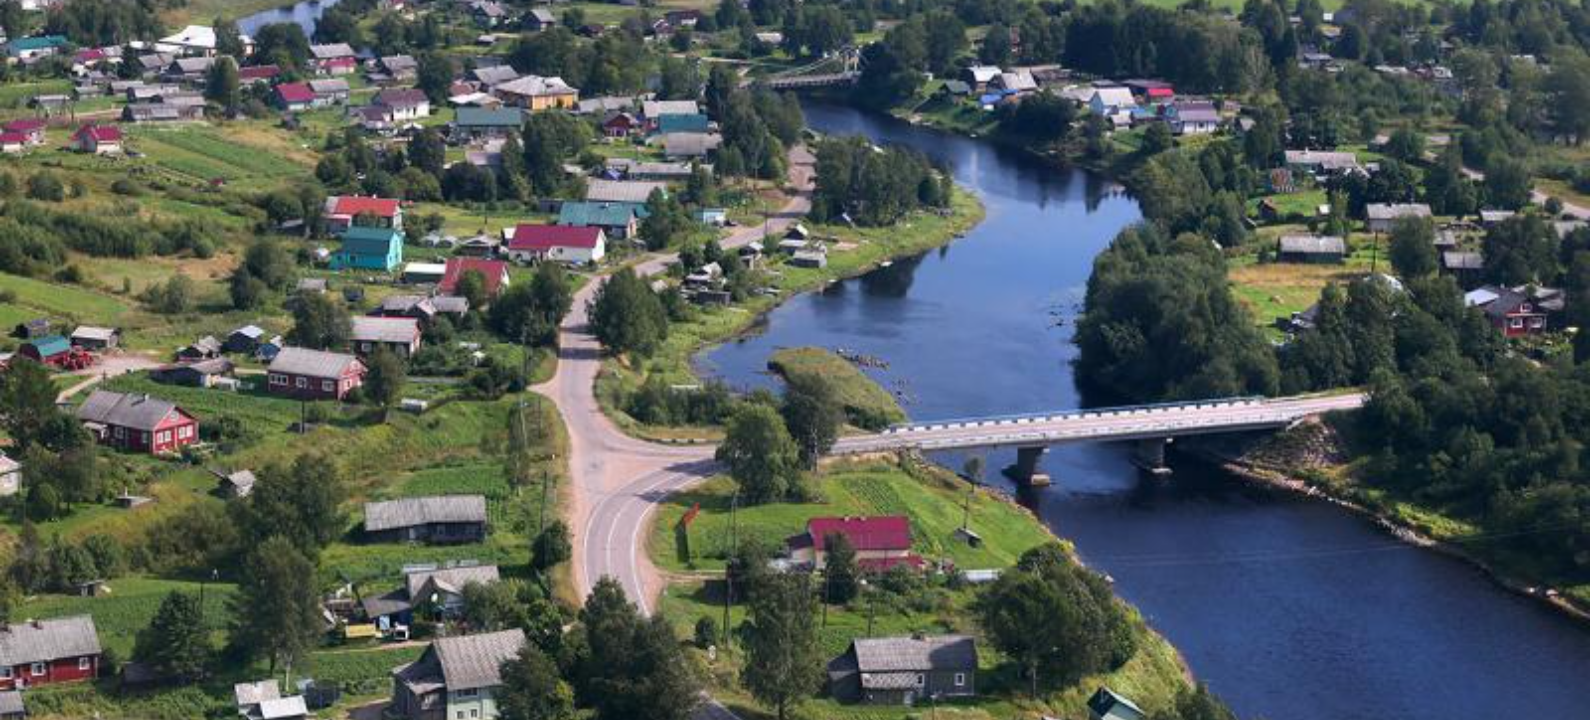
[802, 82]
[1150, 426]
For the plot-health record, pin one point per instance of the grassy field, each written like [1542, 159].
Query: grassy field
[934, 500]
[61, 301]
[127, 605]
[866, 403]
[1152, 677]
[1273, 290]
[856, 251]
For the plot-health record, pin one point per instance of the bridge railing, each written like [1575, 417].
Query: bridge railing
[1116, 411]
[1058, 435]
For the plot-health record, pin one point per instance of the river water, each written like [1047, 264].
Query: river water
[305, 14]
[1289, 609]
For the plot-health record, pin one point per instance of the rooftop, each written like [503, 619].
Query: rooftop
[409, 512]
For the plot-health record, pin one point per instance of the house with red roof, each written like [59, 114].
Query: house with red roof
[12, 143]
[32, 129]
[341, 210]
[880, 542]
[560, 243]
[258, 74]
[97, 139]
[294, 97]
[495, 273]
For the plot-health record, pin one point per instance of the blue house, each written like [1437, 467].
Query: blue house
[369, 248]
[28, 48]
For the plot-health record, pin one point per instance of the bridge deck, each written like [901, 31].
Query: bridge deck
[1130, 423]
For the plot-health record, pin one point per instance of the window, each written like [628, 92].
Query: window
[1516, 323]
[301, 382]
[474, 713]
[277, 379]
[37, 669]
[1537, 322]
[120, 432]
[921, 679]
[83, 663]
[5, 672]
[960, 679]
[328, 385]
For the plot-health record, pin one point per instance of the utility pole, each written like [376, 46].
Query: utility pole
[728, 578]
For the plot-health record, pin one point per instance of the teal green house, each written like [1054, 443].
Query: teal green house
[369, 248]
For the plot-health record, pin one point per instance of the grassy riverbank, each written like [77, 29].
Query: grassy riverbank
[934, 499]
[854, 251]
[867, 405]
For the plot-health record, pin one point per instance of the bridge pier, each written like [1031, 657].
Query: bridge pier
[1025, 469]
[1149, 456]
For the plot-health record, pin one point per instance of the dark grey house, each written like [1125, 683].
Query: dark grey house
[904, 670]
[438, 519]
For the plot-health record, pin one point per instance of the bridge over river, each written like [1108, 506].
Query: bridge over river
[1151, 426]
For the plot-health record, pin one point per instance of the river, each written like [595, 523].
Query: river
[1290, 609]
[306, 14]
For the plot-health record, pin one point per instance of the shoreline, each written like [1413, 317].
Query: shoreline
[1271, 478]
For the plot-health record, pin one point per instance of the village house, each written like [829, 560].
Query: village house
[10, 476]
[1323, 249]
[538, 20]
[1380, 217]
[330, 92]
[444, 585]
[189, 70]
[342, 212]
[258, 74]
[1106, 704]
[369, 248]
[904, 670]
[97, 139]
[201, 349]
[419, 273]
[618, 220]
[294, 97]
[32, 130]
[28, 50]
[400, 68]
[244, 339]
[488, 13]
[456, 677]
[12, 143]
[978, 77]
[533, 92]
[406, 104]
[653, 111]
[437, 519]
[179, 111]
[334, 59]
[689, 145]
[1015, 82]
[1322, 163]
[204, 373]
[475, 123]
[417, 307]
[49, 349]
[559, 243]
[1108, 101]
[491, 76]
[1149, 92]
[880, 542]
[1516, 311]
[622, 191]
[1192, 117]
[620, 124]
[89, 337]
[263, 701]
[313, 374]
[137, 422]
[46, 652]
[30, 329]
[399, 335]
[494, 274]
[682, 123]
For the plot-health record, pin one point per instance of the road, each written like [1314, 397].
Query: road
[617, 480]
[108, 366]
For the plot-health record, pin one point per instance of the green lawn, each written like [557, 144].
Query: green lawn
[126, 607]
[62, 301]
[931, 498]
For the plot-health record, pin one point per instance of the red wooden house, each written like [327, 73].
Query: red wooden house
[880, 542]
[495, 273]
[44, 652]
[313, 374]
[138, 422]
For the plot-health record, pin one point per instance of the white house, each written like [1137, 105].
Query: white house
[559, 243]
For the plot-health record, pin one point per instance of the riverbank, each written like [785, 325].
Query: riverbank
[854, 252]
[1293, 464]
[935, 500]
[867, 404]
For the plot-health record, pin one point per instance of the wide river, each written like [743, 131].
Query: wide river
[1289, 609]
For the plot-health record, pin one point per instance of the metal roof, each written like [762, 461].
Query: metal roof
[635, 191]
[255, 693]
[48, 640]
[908, 654]
[311, 363]
[139, 412]
[449, 579]
[475, 661]
[1313, 244]
[409, 512]
[385, 329]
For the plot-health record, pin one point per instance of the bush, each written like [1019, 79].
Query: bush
[706, 632]
[127, 186]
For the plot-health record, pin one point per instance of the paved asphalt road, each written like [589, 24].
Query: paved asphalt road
[618, 480]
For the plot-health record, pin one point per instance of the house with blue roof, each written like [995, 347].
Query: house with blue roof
[369, 248]
[616, 219]
[28, 48]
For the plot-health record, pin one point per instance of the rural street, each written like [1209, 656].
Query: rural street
[618, 480]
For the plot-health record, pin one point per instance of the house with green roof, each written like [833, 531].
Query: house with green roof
[369, 248]
[479, 122]
[692, 123]
[617, 219]
[28, 48]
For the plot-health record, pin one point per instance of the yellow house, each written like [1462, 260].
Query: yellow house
[534, 92]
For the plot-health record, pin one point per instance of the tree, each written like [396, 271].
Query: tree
[177, 641]
[996, 47]
[221, 86]
[276, 610]
[383, 384]
[300, 503]
[551, 548]
[532, 688]
[665, 222]
[27, 401]
[435, 76]
[841, 576]
[1412, 248]
[1055, 618]
[472, 287]
[783, 663]
[319, 322]
[227, 38]
[172, 297]
[635, 668]
[760, 454]
[531, 313]
[1520, 250]
[627, 316]
[1507, 184]
[1196, 704]
[428, 152]
[813, 413]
